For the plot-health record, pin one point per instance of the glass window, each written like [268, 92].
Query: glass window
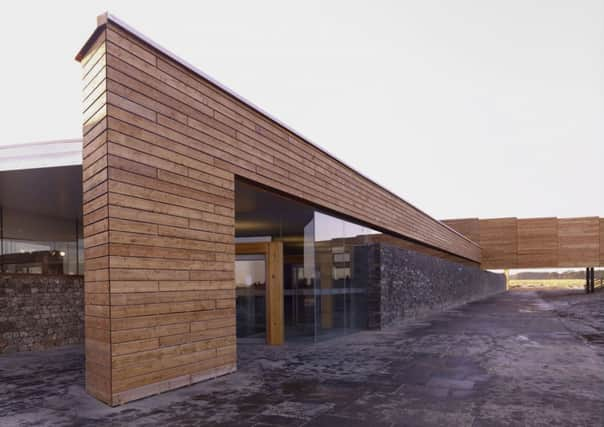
[37, 244]
[325, 262]
[342, 275]
[262, 214]
[250, 282]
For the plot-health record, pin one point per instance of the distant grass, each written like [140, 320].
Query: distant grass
[549, 283]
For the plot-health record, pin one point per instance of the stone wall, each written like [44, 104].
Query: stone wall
[405, 284]
[38, 312]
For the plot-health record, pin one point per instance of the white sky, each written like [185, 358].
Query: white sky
[464, 108]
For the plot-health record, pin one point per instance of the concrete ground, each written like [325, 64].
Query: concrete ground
[521, 358]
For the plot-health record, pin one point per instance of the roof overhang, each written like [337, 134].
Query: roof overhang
[35, 155]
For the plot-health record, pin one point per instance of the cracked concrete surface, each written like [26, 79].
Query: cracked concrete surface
[522, 358]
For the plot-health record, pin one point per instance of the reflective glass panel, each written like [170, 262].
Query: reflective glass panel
[250, 282]
[341, 253]
[39, 244]
[325, 262]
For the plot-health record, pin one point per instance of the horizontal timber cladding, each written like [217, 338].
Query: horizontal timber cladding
[499, 242]
[469, 227]
[537, 242]
[97, 317]
[579, 242]
[162, 147]
[601, 242]
[167, 112]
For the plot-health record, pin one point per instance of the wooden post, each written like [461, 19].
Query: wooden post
[507, 279]
[274, 297]
[273, 252]
[593, 279]
[158, 233]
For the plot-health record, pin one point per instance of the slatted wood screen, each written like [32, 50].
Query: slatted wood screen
[162, 148]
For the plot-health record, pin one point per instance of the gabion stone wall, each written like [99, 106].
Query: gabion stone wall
[38, 312]
[405, 284]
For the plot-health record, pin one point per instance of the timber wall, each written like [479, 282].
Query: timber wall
[162, 147]
[536, 242]
[601, 241]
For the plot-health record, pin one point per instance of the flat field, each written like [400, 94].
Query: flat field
[549, 283]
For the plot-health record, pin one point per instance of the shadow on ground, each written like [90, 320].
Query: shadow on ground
[525, 357]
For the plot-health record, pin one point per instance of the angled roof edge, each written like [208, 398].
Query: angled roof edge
[106, 17]
[41, 154]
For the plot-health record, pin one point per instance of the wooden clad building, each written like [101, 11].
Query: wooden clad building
[163, 144]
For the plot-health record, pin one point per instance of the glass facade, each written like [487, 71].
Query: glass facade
[341, 275]
[39, 244]
[250, 285]
[325, 264]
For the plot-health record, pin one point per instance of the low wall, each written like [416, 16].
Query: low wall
[405, 284]
[38, 312]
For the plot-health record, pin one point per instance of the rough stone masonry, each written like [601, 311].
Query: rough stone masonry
[405, 284]
[38, 312]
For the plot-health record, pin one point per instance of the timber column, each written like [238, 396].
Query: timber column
[158, 228]
[95, 221]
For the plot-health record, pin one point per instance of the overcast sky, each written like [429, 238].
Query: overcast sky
[463, 108]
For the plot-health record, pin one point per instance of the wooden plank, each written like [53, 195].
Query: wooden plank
[252, 248]
[145, 216]
[165, 242]
[166, 319]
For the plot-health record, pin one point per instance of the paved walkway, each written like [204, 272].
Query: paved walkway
[520, 358]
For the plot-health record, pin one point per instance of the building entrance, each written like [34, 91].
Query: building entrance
[250, 285]
[259, 291]
[301, 274]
